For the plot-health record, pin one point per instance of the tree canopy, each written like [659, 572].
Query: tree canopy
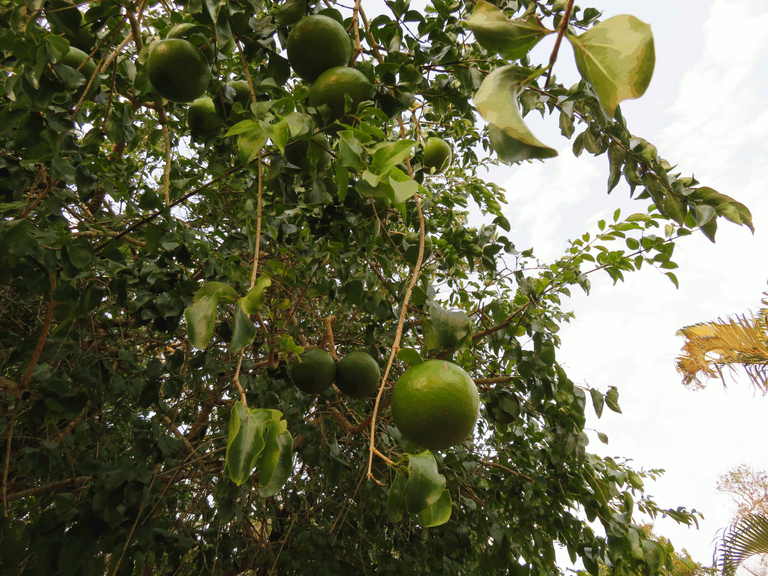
[160, 271]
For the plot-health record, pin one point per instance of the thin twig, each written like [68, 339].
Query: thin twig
[41, 341]
[8, 458]
[116, 52]
[387, 460]
[356, 30]
[499, 466]
[560, 33]
[247, 70]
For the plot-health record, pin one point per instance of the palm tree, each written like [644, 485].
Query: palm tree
[744, 538]
[710, 347]
[736, 341]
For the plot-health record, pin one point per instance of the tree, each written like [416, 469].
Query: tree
[156, 288]
[736, 341]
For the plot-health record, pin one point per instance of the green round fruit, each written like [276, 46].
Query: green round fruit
[411, 248]
[435, 404]
[74, 58]
[314, 371]
[202, 118]
[316, 44]
[333, 84]
[358, 374]
[177, 70]
[437, 154]
[185, 32]
[296, 151]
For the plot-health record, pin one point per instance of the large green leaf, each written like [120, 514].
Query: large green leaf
[245, 441]
[390, 154]
[254, 300]
[201, 319]
[439, 513]
[511, 39]
[453, 329]
[617, 58]
[497, 102]
[276, 462]
[425, 484]
[244, 332]
[395, 501]
[218, 291]
[249, 143]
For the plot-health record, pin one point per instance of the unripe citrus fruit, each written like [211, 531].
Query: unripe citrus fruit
[437, 154]
[411, 248]
[202, 118]
[357, 374]
[177, 70]
[435, 404]
[332, 84]
[316, 44]
[314, 371]
[74, 58]
[187, 30]
[296, 151]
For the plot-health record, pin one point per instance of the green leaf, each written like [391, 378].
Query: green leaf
[245, 441]
[437, 514]
[452, 329]
[395, 500]
[675, 208]
[511, 39]
[409, 356]
[218, 291]
[249, 144]
[634, 542]
[616, 158]
[597, 401]
[201, 319]
[290, 12]
[603, 437]
[403, 188]
[275, 463]
[425, 484]
[654, 555]
[497, 102]
[617, 58]
[703, 213]
[254, 300]
[242, 127]
[244, 332]
[612, 399]
[389, 155]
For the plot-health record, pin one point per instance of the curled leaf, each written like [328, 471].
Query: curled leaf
[497, 102]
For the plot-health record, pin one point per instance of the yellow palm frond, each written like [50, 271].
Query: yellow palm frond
[736, 341]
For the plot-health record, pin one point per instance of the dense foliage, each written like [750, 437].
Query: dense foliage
[115, 405]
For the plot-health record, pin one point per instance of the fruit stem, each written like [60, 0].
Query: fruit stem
[329, 332]
[247, 72]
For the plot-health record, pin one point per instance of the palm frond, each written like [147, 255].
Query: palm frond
[742, 539]
[736, 341]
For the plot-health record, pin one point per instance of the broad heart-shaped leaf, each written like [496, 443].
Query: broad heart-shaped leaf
[511, 39]
[245, 330]
[389, 154]
[497, 102]
[409, 356]
[425, 484]
[395, 502]
[245, 442]
[617, 58]
[201, 319]
[437, 514]
[218, 291]
[275, 463]
[452, 329]
[254, 300]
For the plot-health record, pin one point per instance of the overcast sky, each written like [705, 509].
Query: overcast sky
[707, 112]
